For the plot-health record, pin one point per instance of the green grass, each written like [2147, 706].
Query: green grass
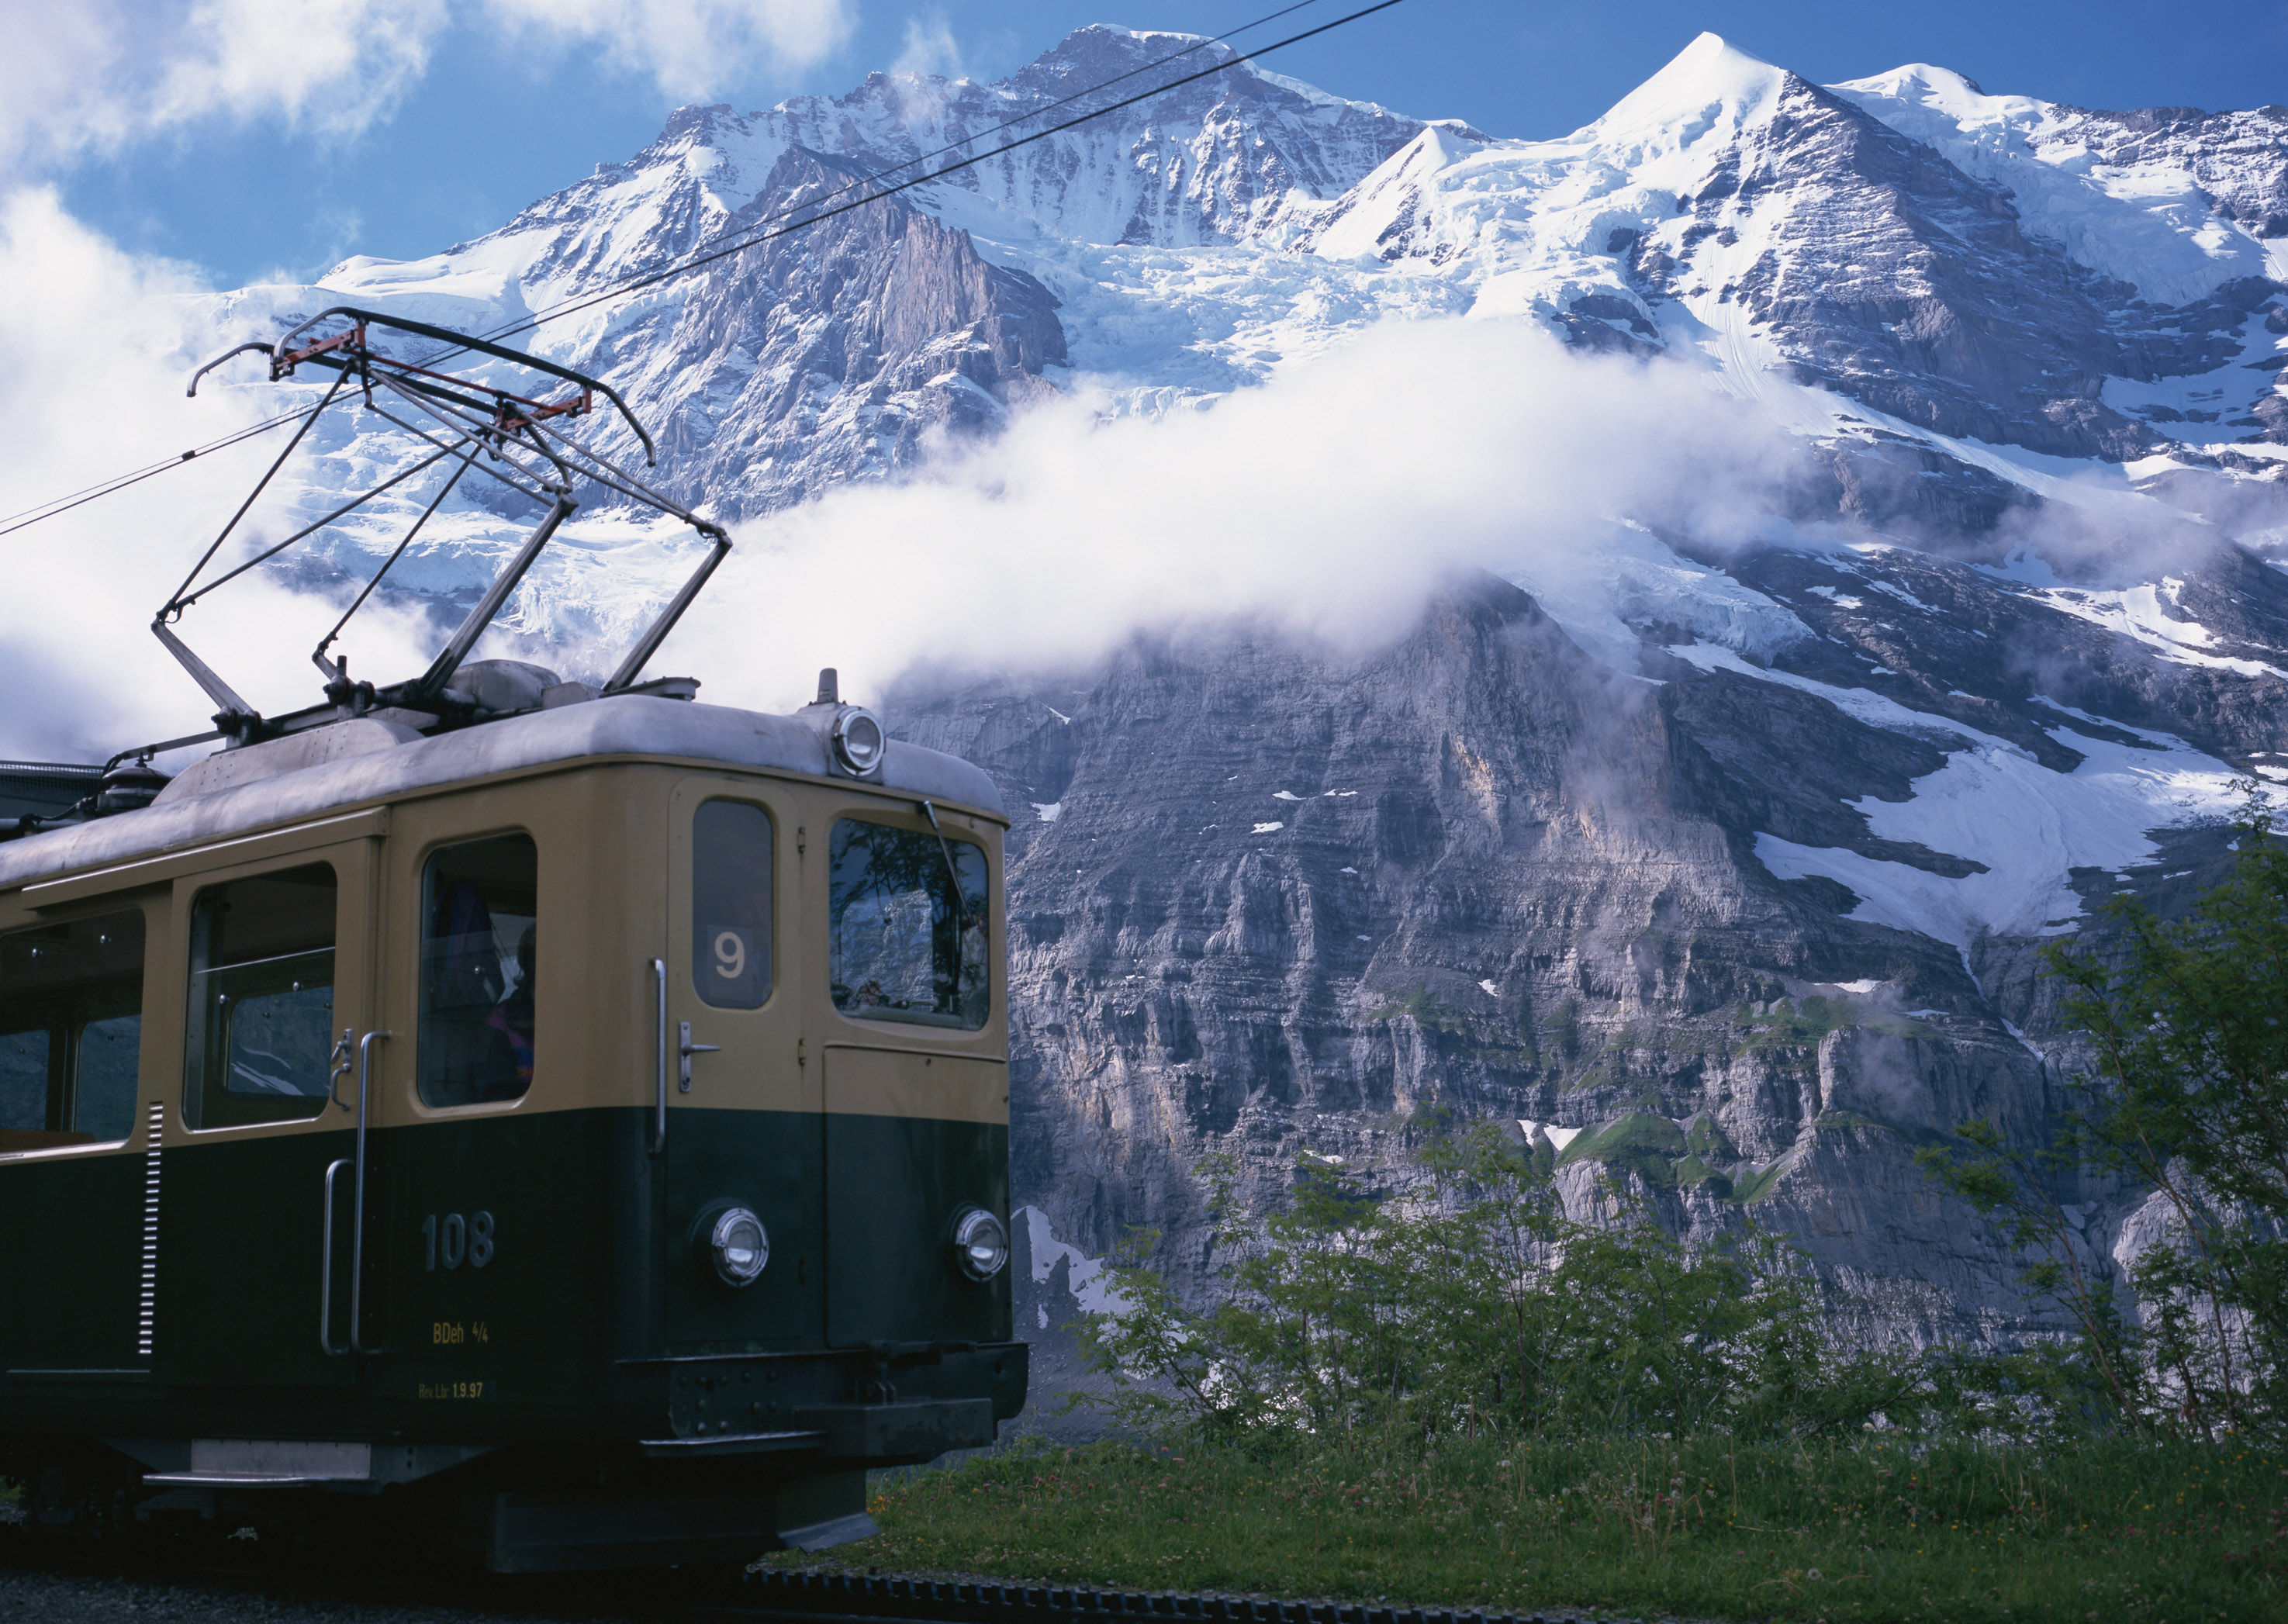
[1867, 1531]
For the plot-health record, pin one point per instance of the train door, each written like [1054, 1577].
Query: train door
[917, 1087]
[278, 969]
[743, 1121]
[488, 1182]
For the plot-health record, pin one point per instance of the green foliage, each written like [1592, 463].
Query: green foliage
[1665, 1156]
[1478, 1306]
[2191, 1026]
[1645, 1145]
[2014, 1188]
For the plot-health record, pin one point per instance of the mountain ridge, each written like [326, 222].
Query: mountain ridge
[1764, 830]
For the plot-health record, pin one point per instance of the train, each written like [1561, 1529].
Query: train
[569, 1119]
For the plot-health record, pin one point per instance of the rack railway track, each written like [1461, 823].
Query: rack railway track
[793, 1596]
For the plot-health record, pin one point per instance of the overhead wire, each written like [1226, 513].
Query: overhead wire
[104, 487]
[636, 283]
[753, 236]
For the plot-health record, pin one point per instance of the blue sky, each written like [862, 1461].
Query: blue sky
[458, 112]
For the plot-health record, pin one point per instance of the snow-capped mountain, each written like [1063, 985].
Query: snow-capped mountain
[1924, 263]
[1833, 237]
[1743, 853]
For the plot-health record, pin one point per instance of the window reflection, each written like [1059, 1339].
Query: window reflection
[479, 965]
[903, 944]
[71, 1027]
[261, 1035]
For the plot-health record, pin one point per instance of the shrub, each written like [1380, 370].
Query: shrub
[1473, 1305]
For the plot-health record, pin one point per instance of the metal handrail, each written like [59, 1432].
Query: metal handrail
[357, 1226]
[326, 1267]
[659, 1122]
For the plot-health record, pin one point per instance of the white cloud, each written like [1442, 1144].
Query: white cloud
[328, 66]
[930, 48]
[693, 50]
[52, 94]
[95, 344]
[1330, 504]
[97, 74]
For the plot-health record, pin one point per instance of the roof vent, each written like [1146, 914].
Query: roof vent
[129, 785]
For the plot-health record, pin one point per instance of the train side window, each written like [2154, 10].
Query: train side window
[261, 1038]
[480, 910]
[71, 1024]
[899, 948]
[731, 904]
[24, 1079]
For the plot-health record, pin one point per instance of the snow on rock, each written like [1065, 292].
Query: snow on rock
[2113, 189]
[1619, 579]
[1710, 87]
[1086, 1276]
[2028, 824]
[1993, 803]
[1726, 213]
[1558, 1137]
[2145, 613]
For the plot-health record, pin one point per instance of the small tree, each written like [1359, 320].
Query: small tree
[1473, 1305]
[2189, 1022]
[2103, 1384]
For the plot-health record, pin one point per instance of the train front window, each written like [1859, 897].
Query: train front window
[261, 1039]
[901, 946]
[71, 1025]
[479, 912]
[731, 904]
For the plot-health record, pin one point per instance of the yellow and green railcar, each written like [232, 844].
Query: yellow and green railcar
[588, 1129]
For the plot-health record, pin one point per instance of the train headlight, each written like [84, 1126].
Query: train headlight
[858, 743]
[981, 1246]
[738, 1246]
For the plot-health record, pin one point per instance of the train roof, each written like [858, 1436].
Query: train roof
[291, 779]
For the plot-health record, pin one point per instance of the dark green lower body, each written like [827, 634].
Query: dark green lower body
[536, 1289]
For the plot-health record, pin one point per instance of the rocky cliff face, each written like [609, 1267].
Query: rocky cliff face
[1728, 876]
[1267, 901]
[830, 353]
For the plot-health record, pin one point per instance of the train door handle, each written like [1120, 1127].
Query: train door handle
[357, 1186]
[686, 1049]
[342, 1067]
[659, 1030]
